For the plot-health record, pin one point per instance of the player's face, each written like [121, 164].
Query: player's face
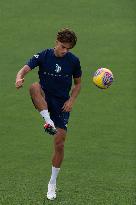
[61, 48]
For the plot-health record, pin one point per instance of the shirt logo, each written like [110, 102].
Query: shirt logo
[36, 56]
[58, 68]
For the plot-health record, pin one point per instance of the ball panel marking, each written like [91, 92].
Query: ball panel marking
[103, 78]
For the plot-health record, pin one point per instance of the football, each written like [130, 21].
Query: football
[103, 78]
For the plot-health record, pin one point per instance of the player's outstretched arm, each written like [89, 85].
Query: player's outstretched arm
[20, 76]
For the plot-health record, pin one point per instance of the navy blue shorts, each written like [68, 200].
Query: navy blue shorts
[55, 105]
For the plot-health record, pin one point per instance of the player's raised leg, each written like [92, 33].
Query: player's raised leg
[38, 99]
[57, 159]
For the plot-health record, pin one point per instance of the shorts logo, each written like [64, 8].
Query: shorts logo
[58, 68]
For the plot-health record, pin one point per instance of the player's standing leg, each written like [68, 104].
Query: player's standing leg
[38, 98]
[56, 162]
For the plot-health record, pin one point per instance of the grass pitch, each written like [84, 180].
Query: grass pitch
[100, 151]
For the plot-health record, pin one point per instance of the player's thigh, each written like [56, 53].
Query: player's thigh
[36, 89]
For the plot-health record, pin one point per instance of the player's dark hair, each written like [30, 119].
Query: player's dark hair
[66, 35]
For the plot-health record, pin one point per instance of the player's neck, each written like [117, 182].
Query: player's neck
[55, 53]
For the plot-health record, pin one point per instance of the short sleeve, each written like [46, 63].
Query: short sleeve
[77, 69]
[34, 61]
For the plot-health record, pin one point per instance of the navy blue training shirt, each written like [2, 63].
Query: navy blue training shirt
[56, 73]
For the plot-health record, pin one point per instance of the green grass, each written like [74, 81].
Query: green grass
[100, 151]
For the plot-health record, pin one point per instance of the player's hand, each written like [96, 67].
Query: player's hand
[67, 107]
[19, 83]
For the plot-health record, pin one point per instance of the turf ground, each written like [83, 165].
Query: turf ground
[100, 152]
